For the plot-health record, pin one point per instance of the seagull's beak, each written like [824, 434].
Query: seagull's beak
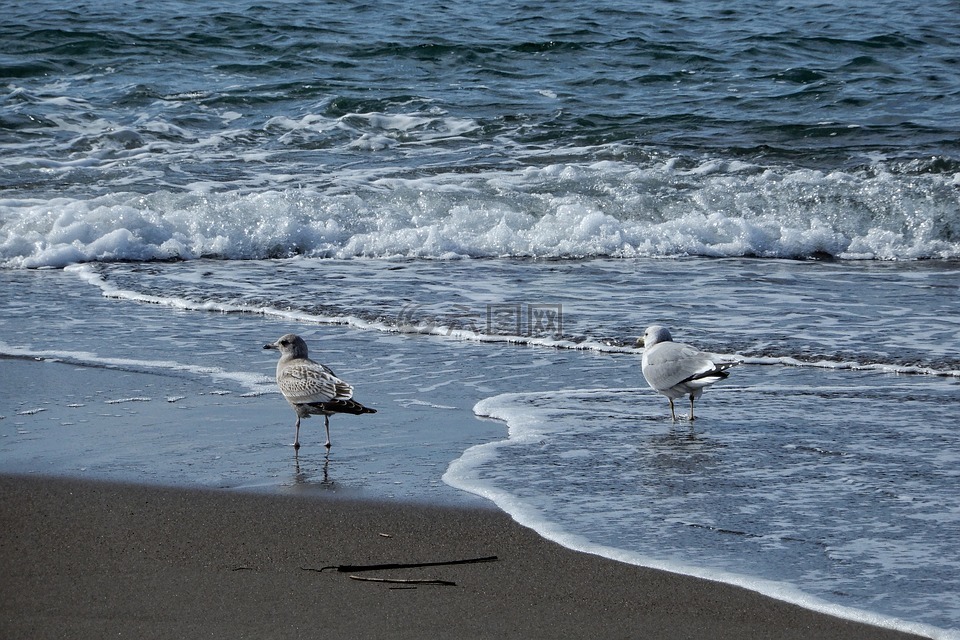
[639, 343]
[270, 346]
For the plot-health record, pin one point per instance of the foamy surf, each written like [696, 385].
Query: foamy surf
[616, 209]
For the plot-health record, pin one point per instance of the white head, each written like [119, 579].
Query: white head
[290, 345]
[653, 335]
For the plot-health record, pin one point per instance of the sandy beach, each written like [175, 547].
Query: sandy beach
[87, 559]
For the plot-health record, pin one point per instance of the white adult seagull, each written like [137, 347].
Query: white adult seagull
[311, 388]
[675, 369]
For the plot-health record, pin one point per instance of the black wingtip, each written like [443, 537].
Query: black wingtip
[718, 373]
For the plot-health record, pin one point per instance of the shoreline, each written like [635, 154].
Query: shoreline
[96, 558]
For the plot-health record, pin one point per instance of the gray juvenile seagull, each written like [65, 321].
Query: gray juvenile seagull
[676, 369]
[311, 388]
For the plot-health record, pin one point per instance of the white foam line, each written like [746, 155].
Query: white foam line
[108, 290]
[254, 382]
[86, 273]
[461, 474]
[852, 365]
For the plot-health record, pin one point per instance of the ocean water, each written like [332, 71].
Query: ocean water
[471, 212]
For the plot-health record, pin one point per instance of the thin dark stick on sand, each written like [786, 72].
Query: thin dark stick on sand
[448, 583]
[353, 568]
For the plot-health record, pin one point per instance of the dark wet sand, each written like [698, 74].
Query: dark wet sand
[97, 560]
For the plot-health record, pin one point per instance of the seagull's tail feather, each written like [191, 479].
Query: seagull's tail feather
[710, 376]
[338, 406]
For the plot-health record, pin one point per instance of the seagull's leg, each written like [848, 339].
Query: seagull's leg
[326, 425]
[672, 414]
[691, 407]
[296, 438]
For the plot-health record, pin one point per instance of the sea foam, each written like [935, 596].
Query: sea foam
[715, 209]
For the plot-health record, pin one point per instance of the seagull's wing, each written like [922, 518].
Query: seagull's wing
[669, 363]
[306, 382]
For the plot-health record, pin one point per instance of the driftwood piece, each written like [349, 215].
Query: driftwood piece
[354, 568]
[448, 583]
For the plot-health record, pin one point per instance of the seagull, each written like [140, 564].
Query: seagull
[311, 388]
[675, 369]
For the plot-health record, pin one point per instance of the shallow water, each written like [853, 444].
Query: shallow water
[838, 482]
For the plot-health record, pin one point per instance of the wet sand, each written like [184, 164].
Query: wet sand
[83, 559]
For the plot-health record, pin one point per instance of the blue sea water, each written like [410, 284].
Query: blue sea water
[471, 210]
